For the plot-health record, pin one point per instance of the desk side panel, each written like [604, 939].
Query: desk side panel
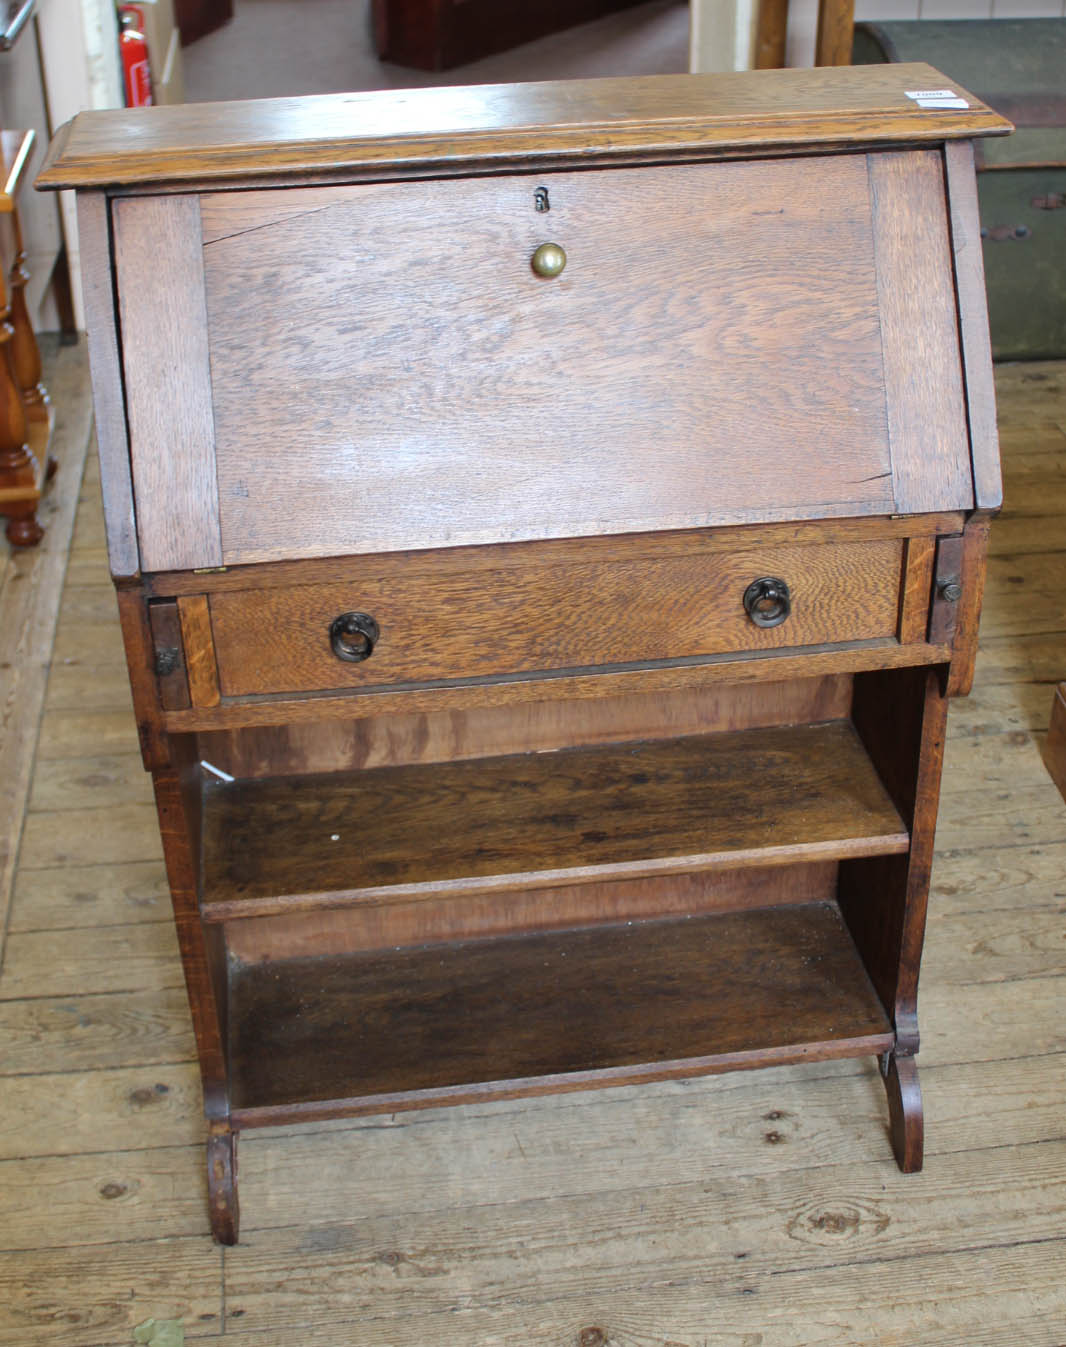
[159, 261]
[973, 322]
[919, 331]
[94, 234]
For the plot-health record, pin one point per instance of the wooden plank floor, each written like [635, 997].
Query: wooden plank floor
[31, 580]
[760, 1208]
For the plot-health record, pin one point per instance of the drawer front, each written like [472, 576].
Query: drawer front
[530, 617]
[358, 369]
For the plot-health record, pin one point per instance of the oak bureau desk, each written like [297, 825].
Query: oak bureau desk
[548, 524]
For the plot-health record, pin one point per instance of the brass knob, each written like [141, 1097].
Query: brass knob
[548, 260]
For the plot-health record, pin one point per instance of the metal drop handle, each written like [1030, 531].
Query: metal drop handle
[768, 601]
[353, 636]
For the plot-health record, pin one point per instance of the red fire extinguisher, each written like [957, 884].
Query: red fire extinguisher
[136, 72]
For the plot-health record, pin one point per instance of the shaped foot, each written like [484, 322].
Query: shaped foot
[904, 1110]
[222, 1187]
[23, 530]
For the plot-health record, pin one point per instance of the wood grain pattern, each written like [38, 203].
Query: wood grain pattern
[770, 34]
[973, 324]
[541, 618]
[176, 804]
[944, 611]
[170, 659]
[30, 586]
[974, 574]
[544, 1217]
[199, 650]
[902, 719]
[836, 26]
[887, 712]
[159, 271]
[94, 240]
[922, 365]
[515, 691]
[755, 797]
[598, 1246]
[348, 930]
[1055, 748]
[531, 727]
[906, 1119]
[917, 588]
[460, 129]
[492, 405]
[222, 1200]
[140, 665]
[459, 561]
[530, 1012]
[735, 343]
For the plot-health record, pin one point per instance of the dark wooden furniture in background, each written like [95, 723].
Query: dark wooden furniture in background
[197, 18]
[439, 34]
[548, 524]
[26, 416]
[1018, 66]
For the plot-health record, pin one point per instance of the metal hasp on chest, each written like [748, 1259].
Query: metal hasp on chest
[548, 523]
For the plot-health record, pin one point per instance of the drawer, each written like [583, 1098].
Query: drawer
[467, 618]
[377, 367]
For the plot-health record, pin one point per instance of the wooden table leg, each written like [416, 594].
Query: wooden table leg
[26, 416]
[19, 473]
[25, 352]
[832, 46]
[836, 31]
[770, 33]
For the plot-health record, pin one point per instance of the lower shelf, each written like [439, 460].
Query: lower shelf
[497, 1018]
[500, 825]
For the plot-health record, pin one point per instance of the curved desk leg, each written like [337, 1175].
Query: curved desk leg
[222, 1187]
[904, 1110]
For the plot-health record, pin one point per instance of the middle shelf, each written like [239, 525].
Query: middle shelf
[754, 797]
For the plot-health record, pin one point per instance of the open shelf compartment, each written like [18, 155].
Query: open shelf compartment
[495, 1018]
[756, 797]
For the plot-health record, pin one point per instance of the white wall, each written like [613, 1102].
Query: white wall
[79, 53]
[722, 34]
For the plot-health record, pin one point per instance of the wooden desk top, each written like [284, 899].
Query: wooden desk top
[463, 129]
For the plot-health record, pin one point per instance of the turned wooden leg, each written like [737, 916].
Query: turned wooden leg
[904, 1110]
[25, 353]
[19, 486]
[836, 31]
[23, 529]
[222, 1187]
[770, 33]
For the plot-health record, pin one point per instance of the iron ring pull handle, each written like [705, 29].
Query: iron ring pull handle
[353, 636]
[768, 601]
